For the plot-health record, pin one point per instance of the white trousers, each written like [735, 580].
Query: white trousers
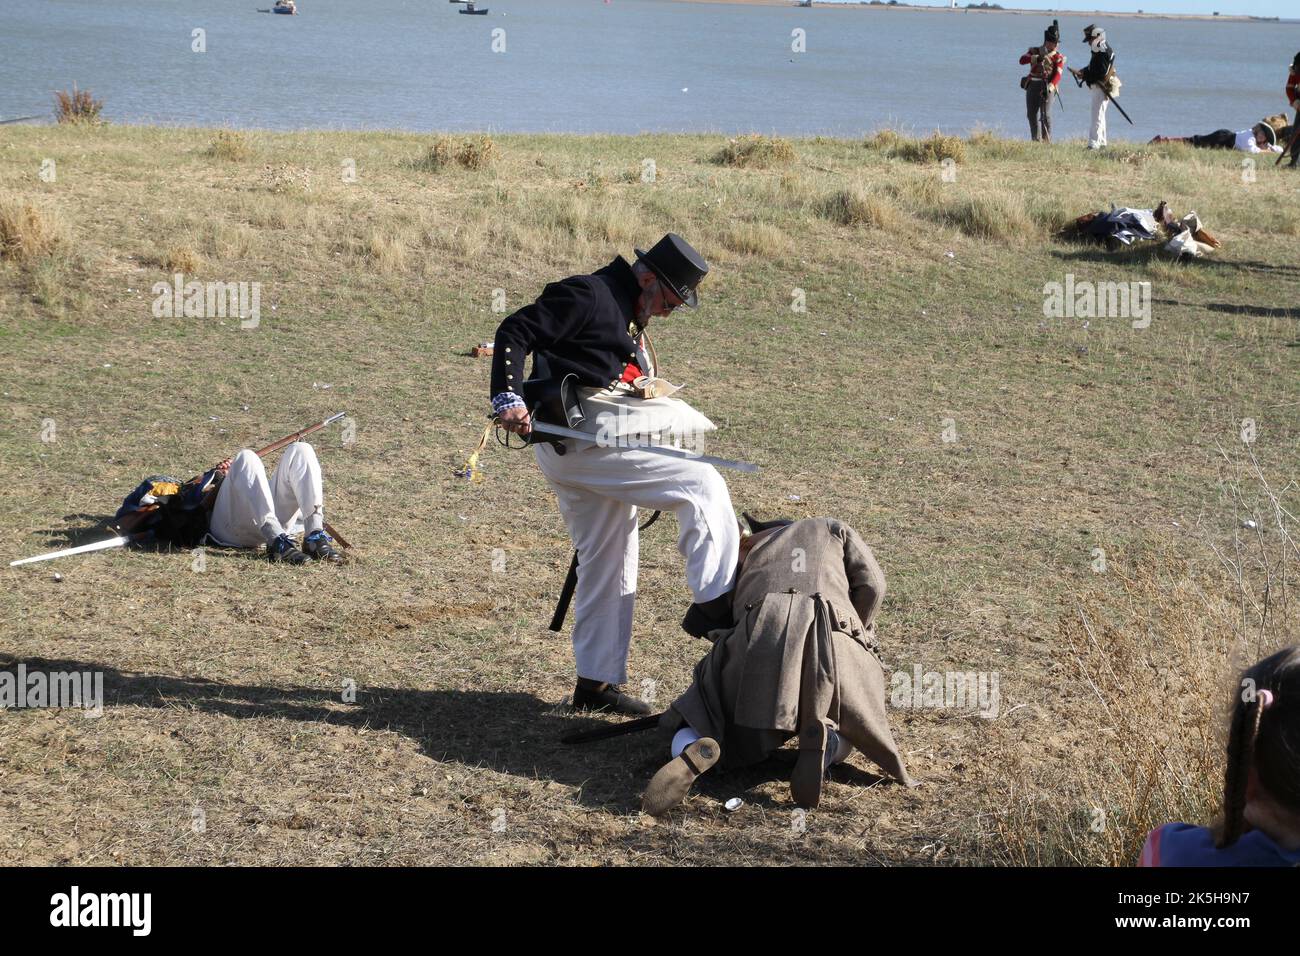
[1097, 137]
[599, 490]
[250, 509]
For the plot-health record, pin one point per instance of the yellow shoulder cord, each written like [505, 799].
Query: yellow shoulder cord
[470, 470]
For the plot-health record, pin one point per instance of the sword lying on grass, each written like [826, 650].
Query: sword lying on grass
[124, 539]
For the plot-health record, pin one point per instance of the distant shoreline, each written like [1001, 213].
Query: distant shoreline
[1229, 18]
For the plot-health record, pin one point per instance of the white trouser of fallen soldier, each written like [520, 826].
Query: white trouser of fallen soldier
[838, 749]
[252, 510]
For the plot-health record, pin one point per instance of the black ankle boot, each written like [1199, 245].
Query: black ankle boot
[597, 695]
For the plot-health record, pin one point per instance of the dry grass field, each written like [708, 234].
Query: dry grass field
[991, 455]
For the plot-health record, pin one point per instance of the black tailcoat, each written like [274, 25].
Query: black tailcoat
[580, 324]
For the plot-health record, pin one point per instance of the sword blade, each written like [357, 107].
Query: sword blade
[562, 432]
[82, 549]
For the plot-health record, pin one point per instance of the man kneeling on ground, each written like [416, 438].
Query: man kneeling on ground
[800, 662]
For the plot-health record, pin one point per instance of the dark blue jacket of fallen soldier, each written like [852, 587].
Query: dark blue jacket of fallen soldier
[805, 648]
[579, 323]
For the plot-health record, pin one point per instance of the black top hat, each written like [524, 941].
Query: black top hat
[1088, 31]
[677, 265]
[1270, 133]
[1052, 33]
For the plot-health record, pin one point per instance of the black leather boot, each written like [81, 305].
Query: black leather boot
[597, 695]
[712, 615]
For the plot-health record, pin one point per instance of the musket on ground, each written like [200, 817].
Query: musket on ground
[1290, 147]
[128, 522]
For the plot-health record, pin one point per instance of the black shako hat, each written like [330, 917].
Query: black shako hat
[1052, 33]
[1089, 31]
[678, 265]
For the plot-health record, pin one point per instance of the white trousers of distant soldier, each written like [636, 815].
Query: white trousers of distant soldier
[1097, 136]
[252, 510]
[599, 490]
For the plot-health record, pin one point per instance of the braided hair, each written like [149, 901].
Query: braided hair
[1264, 735]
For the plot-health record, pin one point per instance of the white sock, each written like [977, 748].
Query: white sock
[683, 739]
[314, 521]
[272, 530]
[837, 748]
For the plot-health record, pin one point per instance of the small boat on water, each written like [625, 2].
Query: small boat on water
[467, 6]
[285, 6]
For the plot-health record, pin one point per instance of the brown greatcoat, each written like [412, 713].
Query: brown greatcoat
[804, 648]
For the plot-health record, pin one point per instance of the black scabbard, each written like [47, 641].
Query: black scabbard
[612, 730]
[566, 595]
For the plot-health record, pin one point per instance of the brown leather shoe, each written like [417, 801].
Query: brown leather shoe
[600, 696]
[810, 769]
[669, 786]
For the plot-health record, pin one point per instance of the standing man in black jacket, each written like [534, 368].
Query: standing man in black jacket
[593, 327]
[1100, 77]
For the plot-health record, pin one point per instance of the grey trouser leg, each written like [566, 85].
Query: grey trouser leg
[1039, 109]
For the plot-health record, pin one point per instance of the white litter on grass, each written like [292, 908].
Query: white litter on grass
[1249, 523]
[57, 576]
[734, 804]
[793, 497]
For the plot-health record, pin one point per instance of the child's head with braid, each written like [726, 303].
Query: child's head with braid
[1261, 790]
[1262, 780]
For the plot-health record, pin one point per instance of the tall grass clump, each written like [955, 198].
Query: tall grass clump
[230, 144]
[77, 107]
[1000, 216]
[884, 140]
[756, 152]
[935, 148]
[754, 239]
[473, 152]
[855, 206]
[28, 232]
